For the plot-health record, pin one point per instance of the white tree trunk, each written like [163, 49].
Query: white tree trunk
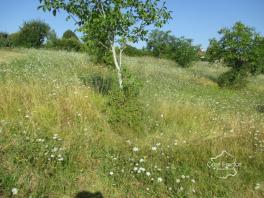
[118, 67]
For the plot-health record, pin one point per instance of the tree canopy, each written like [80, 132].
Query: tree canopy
[241, 48]
[164, 44]
[69, 34]
[33, 33]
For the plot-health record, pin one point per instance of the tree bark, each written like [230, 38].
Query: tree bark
[118, 67]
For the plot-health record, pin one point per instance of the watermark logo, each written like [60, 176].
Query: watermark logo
[224, 165]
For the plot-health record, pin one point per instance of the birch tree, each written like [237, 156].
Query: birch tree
[112, 23]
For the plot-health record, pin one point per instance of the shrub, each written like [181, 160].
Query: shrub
[233, 79]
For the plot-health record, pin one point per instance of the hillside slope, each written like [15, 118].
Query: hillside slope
[56, 139]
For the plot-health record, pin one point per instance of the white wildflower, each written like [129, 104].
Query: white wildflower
[135, 149]
[142, 169]
[154, 148]
[60, 159]
[159, 179]
[111, 173]
[14, 191]
[148, 174]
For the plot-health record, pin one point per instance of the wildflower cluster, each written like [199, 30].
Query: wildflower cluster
[153, 167]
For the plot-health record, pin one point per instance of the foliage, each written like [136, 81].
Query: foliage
[33, 34]
[98, 52]
[70, 44]
[4, 40]
[184, 52]
[133, 51]
[112, 22]
[163, 44]
[124, 107]
[51, 39]
[15, 39]
[69, 34]
[240, 48]
[213, 51]
[233, 79]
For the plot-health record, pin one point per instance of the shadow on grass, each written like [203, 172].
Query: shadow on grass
[86, 194]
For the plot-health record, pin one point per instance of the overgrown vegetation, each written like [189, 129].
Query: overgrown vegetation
[60, 136]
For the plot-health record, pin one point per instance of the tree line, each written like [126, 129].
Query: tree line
[36, 34]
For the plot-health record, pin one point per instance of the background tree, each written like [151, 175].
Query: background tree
[69, 34]
[70, 44]
[164, 45]
[184, 52]
[240, 48]
[161, 43]
[114, 22]
[213, 51]
[4, 40]
[51, 39]
[33, 33]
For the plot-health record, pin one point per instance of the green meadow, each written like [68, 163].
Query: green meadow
[59, 136]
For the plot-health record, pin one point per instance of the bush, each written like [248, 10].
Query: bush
[233, 79]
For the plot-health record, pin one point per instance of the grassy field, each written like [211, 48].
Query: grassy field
[56, 139]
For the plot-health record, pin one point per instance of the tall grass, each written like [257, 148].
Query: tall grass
[56, 141]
